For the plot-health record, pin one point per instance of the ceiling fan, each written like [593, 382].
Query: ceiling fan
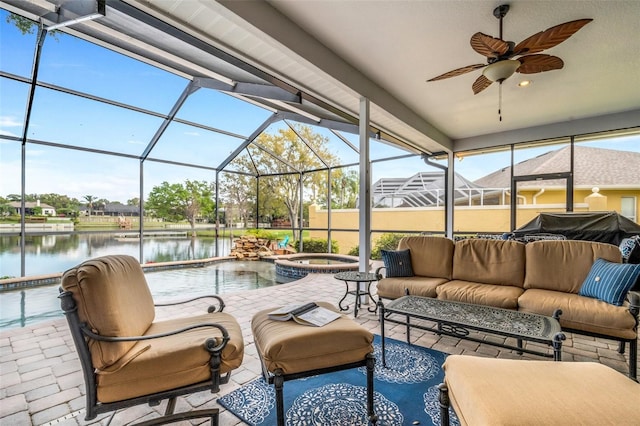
[505, 57]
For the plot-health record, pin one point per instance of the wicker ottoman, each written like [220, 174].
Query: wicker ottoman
[290, 351]
[489, 391]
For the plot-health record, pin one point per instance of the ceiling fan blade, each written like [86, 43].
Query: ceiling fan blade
[480, 84]
[550, 37]
[531, 64]
[488, 46]
[458, 71]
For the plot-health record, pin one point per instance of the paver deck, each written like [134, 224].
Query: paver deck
[41, 380]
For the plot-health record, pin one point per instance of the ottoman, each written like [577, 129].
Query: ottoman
[490, 391]
[289, 350]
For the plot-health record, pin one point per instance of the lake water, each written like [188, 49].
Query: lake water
[47, 254]
[20, 308]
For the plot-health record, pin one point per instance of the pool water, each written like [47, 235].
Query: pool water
[29, 306]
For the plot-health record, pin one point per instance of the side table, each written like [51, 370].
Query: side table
[359, 278]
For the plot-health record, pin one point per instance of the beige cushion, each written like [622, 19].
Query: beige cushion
[296, 348]
[563, 265]
[499, 296]
[173, 361]
[489, 391]
[581, 313]
[489, 261]
[430, 256]
[113, 298]
[392, 288]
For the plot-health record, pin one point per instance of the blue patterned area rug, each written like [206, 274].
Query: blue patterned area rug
[406, 393]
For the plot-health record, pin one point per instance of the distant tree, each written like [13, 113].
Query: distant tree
[283, 184]
[90, 199]
[27, 26]
[238, 193]
[134, 202]
[176, 202]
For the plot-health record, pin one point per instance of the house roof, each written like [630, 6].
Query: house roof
[592, 167]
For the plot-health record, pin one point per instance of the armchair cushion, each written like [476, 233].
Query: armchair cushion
[173, 361]
[114, 300]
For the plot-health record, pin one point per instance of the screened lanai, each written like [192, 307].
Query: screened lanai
[105, 102]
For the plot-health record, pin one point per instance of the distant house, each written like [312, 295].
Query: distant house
[30, 208]
[615, 174]
[117, 209]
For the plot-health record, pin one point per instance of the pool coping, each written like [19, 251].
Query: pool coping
[30, 281]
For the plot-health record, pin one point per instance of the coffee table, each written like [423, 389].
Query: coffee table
[457, 318]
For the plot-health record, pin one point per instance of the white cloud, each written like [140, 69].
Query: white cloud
[196, 134]
[9, 121]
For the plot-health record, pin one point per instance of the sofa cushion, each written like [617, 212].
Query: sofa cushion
[500, 296]
[610, 282]
[173, 361]
[114, 300]
[564, 265]
[392, 288]
[397, 263]
[489, 261]
[580, 313]
[430, 256]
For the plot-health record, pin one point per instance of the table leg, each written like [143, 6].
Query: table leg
[344, 297]
[357, 302]
[384, 359]
[557, 346]
[375, 304]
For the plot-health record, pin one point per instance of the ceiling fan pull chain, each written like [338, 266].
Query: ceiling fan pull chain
[500, 101]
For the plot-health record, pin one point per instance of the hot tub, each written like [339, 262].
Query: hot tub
[295, 266]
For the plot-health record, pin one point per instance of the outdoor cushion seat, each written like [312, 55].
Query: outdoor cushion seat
[294, 348]
[490, 391]
[170, 363]
[581, 313]
[289, 350]
[391, 288]
[127, 357]
[499, 296]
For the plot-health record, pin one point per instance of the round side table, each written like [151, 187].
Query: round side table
[358, 278]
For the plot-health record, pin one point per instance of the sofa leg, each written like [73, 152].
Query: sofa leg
[444, 404]
[633, 359]
[621, 347]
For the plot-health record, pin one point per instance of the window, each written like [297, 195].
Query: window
[628, 207]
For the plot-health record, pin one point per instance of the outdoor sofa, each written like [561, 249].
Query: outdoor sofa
[577, 277]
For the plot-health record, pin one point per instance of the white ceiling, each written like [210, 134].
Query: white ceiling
[397, 45]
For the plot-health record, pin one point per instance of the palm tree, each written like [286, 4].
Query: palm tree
[90, 199]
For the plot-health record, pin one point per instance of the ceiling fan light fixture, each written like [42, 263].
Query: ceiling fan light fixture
[501, 70]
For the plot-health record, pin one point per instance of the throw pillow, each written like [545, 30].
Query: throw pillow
[610, 282]
[397, 263]
[630, 249]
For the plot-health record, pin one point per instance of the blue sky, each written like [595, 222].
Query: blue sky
[61, 118]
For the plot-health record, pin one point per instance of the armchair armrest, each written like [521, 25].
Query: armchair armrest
[378, 269]
[634, 303]
[211, 308]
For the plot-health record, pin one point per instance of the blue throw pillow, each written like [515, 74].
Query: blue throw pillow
[397, 263]
[610, 282]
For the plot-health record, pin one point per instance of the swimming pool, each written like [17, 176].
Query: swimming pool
[29, 306]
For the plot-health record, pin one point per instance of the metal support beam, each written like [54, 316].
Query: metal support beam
[364, 219]
[74, 12]
[191, 88]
